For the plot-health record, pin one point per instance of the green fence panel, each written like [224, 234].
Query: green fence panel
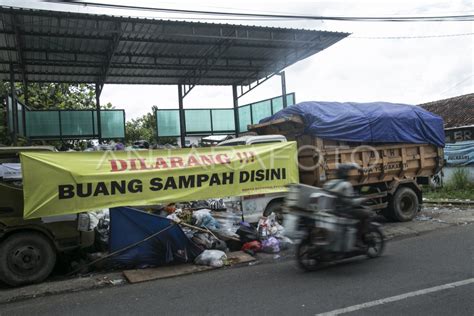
[198, 120]
[245, 118]
[77, 123]
[42, 124]
[167, 122]
[209, 121]
[277, 104]
[112, 124]
[290, 99]
[261, 110]
[223, 120]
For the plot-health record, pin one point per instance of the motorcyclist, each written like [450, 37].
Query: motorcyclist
[347, 203]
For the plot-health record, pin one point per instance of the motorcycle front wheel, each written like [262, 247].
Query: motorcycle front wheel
[306, 255]
[375, 241]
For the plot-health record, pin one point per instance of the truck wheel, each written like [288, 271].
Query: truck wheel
[404, 205]
[274, 207]
[25, 258]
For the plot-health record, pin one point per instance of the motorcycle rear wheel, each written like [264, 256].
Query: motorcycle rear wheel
[375, 241]
[306, 257]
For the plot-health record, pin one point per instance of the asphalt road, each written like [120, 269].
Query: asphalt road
[394, 284]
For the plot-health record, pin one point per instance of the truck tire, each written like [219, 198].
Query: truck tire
[25, 258]
[274, 207]
[404, 205]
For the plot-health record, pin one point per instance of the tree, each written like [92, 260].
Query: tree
[61, 96]
[44, 96]
[144, 128]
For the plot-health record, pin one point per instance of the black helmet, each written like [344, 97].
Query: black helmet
[343, 170]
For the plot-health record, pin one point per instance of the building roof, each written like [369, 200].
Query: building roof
[456, 112]
[54, 46]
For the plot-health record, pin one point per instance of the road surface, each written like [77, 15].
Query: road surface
[426, 275]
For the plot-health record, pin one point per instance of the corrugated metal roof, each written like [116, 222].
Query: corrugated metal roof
[53, 46]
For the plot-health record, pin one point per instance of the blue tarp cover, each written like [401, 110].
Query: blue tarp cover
[128, 225]
[459, 154]
[367, 122]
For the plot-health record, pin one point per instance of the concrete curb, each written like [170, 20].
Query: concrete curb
[453, 202]
[61, 286]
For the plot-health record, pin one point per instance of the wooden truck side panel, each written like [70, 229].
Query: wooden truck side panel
[381, 163]
[384, 167]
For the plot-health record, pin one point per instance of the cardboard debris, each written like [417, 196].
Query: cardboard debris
[142, 275]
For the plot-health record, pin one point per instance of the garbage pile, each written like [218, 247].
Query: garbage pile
[267, 237]
[204, 232]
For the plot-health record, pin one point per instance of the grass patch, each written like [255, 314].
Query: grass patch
[459, 187]
[448, 193]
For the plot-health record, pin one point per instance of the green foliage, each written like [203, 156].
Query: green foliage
[459, 180]
[459, 187]
[142, 128]
[447, 193]
[43, 96]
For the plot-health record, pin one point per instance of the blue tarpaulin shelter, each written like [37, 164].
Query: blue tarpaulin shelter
[129, 225]
[379, 122]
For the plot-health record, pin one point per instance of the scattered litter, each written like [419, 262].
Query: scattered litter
[101, 233]
[117, 281]
[423, 217]
[213, 258]
[268, 226]
[247, 232]
[271, 245]
[203, 218]
[208, 241]
[254, 246]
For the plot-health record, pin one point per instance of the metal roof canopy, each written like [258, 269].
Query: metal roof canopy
[64, 47]
[52, 46]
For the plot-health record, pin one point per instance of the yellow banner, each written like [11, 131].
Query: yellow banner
[73, 182]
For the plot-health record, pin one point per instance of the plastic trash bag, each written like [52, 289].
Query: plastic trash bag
[254, 246]
[216, 204]
[203, 218]
[271, 245]
[268, 226]
[246, 232]
[213, 258]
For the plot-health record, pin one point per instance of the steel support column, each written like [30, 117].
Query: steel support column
[283, 88]
[182, 119]
[14, 106]
[23, 113]
[236, 110]
[98, 90]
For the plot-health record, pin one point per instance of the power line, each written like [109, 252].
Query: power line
[457, 84]
[440, 18]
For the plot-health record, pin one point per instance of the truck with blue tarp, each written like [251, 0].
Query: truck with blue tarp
[398, 147]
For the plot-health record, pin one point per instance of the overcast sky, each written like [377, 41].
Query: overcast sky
[413, 70]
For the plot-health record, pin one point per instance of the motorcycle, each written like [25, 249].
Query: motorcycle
[325, 235]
